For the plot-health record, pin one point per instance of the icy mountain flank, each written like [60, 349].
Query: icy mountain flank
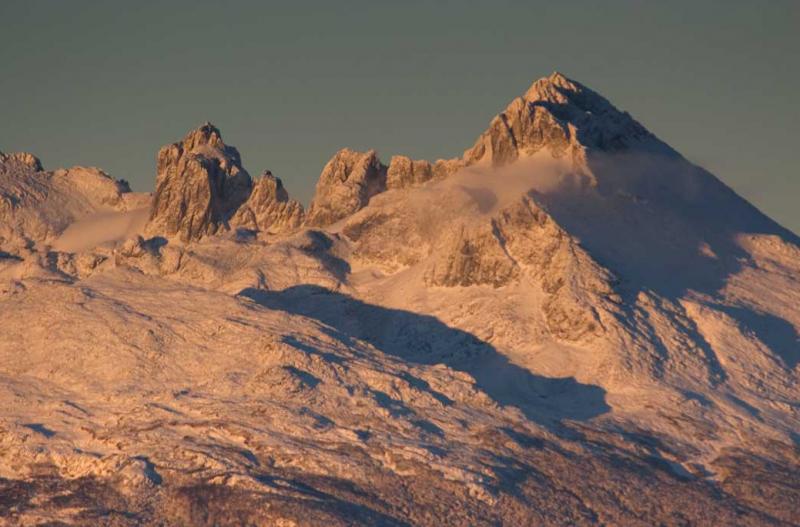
[569, 324]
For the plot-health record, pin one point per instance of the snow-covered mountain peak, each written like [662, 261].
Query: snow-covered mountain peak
[562, 116]
[565, 326]
[554, 89]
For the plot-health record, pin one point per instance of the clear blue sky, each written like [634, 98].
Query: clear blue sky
[107, 83]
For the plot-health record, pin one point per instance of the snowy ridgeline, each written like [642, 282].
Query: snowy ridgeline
[569, 324]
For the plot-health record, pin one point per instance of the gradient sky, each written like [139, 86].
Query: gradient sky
[106, 83]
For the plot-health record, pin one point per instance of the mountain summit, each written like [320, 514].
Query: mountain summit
[561, 115]
[201, 187]
[200, 183]
[569, 324]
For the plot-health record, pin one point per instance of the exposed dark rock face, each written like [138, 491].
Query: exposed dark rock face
[269, 209]
[345, 186]
[200, 184]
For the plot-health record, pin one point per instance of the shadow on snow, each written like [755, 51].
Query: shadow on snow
[424, 339]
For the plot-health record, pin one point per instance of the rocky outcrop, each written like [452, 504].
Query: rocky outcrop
[20, 160]
[558, 114]
[405, 172]
[471, 256]
[351, 178]
[522, 241]
[580, 298]
[200, 185]
[444, 168]
[269, 209]
[346, 185]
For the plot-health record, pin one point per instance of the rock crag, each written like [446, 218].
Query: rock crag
[268, 209]
[345, 186]
[200, 184]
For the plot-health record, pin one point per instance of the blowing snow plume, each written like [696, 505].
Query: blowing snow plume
[101, 228]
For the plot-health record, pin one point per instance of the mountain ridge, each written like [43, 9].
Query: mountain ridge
[571, 323]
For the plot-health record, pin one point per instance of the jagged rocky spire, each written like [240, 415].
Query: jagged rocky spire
[200, 182]
[202, 187]
[346, 184]
[269, 209]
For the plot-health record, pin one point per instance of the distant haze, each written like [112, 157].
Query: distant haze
[289, 83]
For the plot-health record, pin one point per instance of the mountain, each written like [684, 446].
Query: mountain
[38, 206]
[569, 324]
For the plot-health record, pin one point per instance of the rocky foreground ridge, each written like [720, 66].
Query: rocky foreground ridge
[568, 324]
